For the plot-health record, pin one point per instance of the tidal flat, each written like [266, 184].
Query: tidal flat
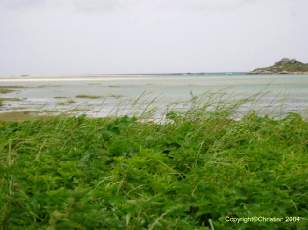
[100, 96]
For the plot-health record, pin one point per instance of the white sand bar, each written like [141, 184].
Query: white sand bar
[57, 79]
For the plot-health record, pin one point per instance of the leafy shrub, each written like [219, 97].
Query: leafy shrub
[120, 173]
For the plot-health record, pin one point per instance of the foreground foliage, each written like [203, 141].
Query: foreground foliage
[120, 173]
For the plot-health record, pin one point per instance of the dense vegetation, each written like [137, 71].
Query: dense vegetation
[122, 173]
[284, 66]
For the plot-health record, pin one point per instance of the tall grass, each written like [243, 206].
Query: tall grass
[188, 172]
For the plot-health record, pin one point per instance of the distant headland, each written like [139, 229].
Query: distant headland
[284, 66]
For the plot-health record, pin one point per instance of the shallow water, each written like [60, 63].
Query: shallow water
[119, 94]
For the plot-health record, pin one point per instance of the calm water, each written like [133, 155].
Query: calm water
[119, 94]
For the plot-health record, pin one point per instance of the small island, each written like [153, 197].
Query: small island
[284, 66]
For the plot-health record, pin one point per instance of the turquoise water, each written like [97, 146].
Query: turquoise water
[118, 94]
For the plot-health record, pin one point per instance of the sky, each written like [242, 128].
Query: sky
[149, 36]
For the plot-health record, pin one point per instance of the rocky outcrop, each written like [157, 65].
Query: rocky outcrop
[284, 66]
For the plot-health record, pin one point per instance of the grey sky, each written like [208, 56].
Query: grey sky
[146, 36]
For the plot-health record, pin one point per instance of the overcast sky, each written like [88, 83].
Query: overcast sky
[147, 36]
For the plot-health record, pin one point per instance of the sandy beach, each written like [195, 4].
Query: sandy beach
[70, 78]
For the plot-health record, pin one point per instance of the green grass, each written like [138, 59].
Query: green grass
[3, 100]
[120, 173]
[11, 99]
[60, 97]
[84, 96]
[9, 89]
[66, 102]
[5, 90]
